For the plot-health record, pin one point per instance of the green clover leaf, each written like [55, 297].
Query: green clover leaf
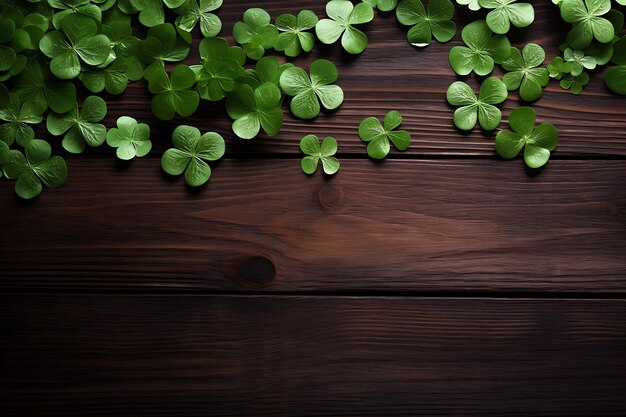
[68, 7]
[293, 37]
[382, 5]
[575, 83]
[221, 66]
[269, 70]
[473, 5]
[482, 108]
[191, 153]
[131, 139]
[378, 135]
[343, 16]
[194, 11]
[175, 95]
[482, 51]
[120, 35]
[38, 85]
[536, 141]
[579, 61]
[255, 34]
[435, 21]
[523, 72]
[587, 21]
[615, 78]
[4, 156]
[113, 78]
[558, 68]
[307, 90]
[310, 146]
[151, 11]
[506, 13]
[81, 128]
[78, 40]
[17, 117]
[252, 110]
[35, 168]
[162, 45]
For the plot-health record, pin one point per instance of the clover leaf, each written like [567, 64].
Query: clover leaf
[162, 45]
[35, 168]
[382, 5]
[36, 84]
[293, 37]
[252, 110]
[221, 66]
[68, 7]
[523, 72]
[16, 117]
[191, 153]
[120, 35]
[471, 4]
[113, 78]
[81, 128]
[536, 141]
[506, 13]
[575, 83]
[435, 21]
[558, 68]
[587, 20]
[482, 51]
[307, 90]
[152, 12]
[4, 155]
[343, 16]
[615, 78]
[378, 135]
[194, 11]
[131, 139]
[310, 146]
[482, 108]
[255, 33]
[78, 40]
[269, 70]
[173, 95]
[579, 61]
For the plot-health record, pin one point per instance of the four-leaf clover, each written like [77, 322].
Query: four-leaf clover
[194, 11]
[131, 139]
[482, 51]
[82, 126]
[587, 20]
[255, 33]
[435, 21]
[255, 109]
[523, 72]
[310, 146]
[506, 13]
[378, 135]
[293, 37]
[343, 16]
[175, 95]
[221, 66]
[190, 154]
[482, 108]
[16, 116]
[538, 141]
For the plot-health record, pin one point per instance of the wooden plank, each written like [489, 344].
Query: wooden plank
[438, 225]
[392, 74]
[311, 356]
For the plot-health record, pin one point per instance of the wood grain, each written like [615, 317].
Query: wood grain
[444, 225]
[310, 356]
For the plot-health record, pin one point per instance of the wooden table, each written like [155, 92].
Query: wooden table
[442, 281]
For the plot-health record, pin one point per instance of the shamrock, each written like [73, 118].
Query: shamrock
[194, 11]
[558, 68]
[306, 91]
[343, 16]
[523, 72]
[293, 38]
[37, 85]
[81, 128]
[482, 51]
[35, 168]
[131, 139]
[587, 20]
[151, 11]
[482, 108]
[310, 146]
[162, 45]
[436, 21]
[575, 83]
[382, 5]
[537, 141]
[113, 78]
[579, 61]
[221, 66]
[252, 110]
[68, 7]
[78, 40]
[191, 153]
[120, 35]
[255, 33]
[615, 78]
[16, 117]
[472, 4]
[175, 95]
[506, 13]
[378, 135]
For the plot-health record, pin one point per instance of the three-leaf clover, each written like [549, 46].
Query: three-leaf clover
[575, 83]
[523, 72]
[253, 109]
[221, 66]
[293, 37]
[482, 108]
[579, 61]
[482, 51]
[113, 78]
[506, 13]
[35, 168]
[173, 95]
[307, 90]
[16, 116]
[536, 141]
[81, 128]
[255, 33]
[310, 146]
[435, 21]
[343, 16]
[191, 153]
[194, 11]
[162, 45]
[68, 7]
[558, 68]
[131, 139]
[78, 40]
[587, 20]
[378, 135]
[382, 5]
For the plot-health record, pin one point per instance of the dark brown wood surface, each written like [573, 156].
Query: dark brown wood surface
[441, 282]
